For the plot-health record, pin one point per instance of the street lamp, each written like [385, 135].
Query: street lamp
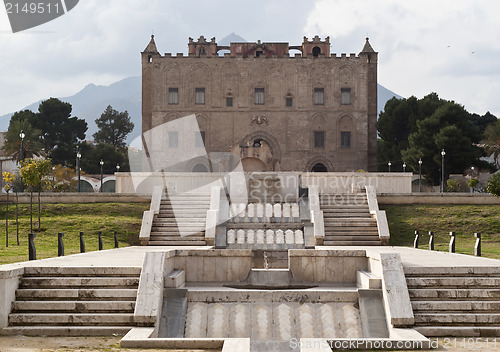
[102, 163]
[118, 168]
[443, 153]
[78, 156]
[404, 166]
[22, 135]
[420, 175]
[389, 164]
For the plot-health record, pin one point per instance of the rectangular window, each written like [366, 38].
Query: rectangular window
[346, 96]
[319, 139]
[319, 96]
[229, 101]
[289, 102]
[345, 139]
[199, 98]
[259, 96]
[173, 139]
[173, 96]
[199, 139]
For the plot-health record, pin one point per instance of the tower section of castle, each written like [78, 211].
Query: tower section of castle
[276, 106]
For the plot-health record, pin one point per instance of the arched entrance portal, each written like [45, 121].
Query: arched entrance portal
[253, 165]
[200, 168]
[319, 167]
[262, 151]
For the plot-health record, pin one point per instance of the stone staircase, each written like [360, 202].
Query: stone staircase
[456, 303]
[348, 221]
[74, 301]
[181, 221]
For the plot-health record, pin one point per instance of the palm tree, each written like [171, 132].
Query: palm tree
[32, 145]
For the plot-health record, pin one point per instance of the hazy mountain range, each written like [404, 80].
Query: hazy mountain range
[91, 101]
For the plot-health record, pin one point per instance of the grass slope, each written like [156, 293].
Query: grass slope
[125, 218]
[464, 220]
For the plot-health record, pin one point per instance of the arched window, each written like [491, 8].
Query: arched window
[319, 167]
[316, 51]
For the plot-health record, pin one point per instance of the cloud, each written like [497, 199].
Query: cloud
[424, 45]
[100, 41]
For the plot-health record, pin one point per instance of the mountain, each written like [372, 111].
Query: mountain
[91, 101]
[383, 95]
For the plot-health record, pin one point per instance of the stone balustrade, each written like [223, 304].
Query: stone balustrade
[264, 213]
[265, 239]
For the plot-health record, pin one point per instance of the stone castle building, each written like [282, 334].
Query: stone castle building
[278, 107]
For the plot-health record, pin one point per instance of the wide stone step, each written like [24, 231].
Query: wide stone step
[333, 234]
[448, 271]
[351, 222]
[77, 294]
[459, 294]
[352, 238]
[461, 318]
[93, 271]
[177, 238]
[73, 306]
[456, 306]
[464, 331]
[330, 228]
[453, 282]
[116, 319]
[176, 221]
[176, 243]
[198, 227]
[351, 243]
[71, 282]
[344, 208]
[66, 330]
[170, 234]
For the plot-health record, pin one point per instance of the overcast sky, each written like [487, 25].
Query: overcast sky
[450, 47]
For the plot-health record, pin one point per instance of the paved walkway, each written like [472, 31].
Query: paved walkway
[133, 256]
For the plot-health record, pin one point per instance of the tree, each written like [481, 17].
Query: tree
[63, 179]
[491, 141]
[447, 128]
[34, 173]
[60, 131]
[8, 178]
[31, 145]
[113, 127]
[92, 155]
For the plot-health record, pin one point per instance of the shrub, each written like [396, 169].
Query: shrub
[493, 185]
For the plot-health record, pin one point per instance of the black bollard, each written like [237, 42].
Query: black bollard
[477, 246]
[452, 242]
[60, 244]
[415, 242]
[431, 241]
[31, 246]
[82, 243]
[100, 240]
[116, 240]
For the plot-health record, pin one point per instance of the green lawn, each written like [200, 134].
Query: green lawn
[464, 220]
[125, 218]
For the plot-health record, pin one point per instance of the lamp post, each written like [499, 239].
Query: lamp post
[22, 135]
[420, 175]
[389, 164]
[78, 156]
[404, 166]
[102, 163]
[471, 178]
[443, 153]
[118, 168]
